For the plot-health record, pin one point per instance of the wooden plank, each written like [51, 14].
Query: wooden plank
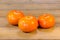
[29, 6]
[14, 1]
[11, 6]
[46, 1]
[8, 31]
[41, 6]
[3, 13]
[28, 1]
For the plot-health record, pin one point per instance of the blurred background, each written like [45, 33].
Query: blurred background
[34, 7]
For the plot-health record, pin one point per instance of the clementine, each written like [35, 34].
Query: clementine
[46, 21]
[28, 24]
[13, 16]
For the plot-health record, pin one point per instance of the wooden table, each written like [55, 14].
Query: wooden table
[8, 31]
[32, 7]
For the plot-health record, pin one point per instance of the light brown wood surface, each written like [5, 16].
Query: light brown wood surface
[32, 7]
[8, 31]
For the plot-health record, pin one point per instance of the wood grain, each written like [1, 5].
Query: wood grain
[8, 31]
[46, 1]
[56, 13]
[32, 8]
[29, 7]
[28, 1]
[13, 1]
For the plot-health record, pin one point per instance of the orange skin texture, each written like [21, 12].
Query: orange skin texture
[28, 24]
[13, 16]
[46, 21]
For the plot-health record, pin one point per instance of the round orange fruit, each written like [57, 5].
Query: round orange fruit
[13, 16]
[46, 21]
[28, 24]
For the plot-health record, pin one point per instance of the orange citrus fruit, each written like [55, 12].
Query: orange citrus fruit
[13, 16]
[46, 21]
[28, 24]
